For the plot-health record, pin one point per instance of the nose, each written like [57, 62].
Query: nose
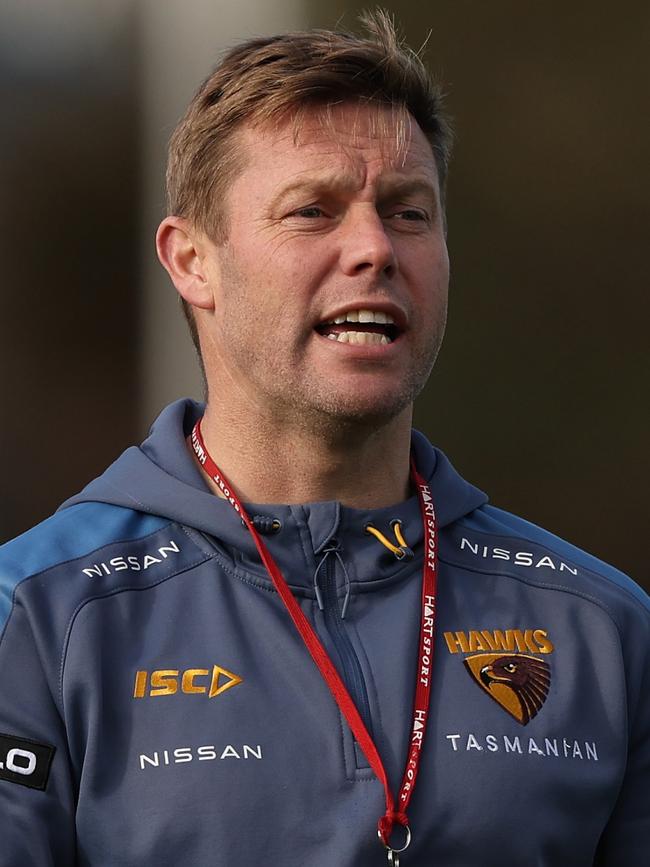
[365, 244]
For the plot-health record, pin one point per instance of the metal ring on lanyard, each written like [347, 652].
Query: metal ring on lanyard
[393, 854]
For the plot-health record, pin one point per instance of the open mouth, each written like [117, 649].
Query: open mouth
[361, 327]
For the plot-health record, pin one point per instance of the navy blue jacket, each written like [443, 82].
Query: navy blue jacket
[157, 706]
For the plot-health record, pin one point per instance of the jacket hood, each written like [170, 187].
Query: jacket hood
[160, 477]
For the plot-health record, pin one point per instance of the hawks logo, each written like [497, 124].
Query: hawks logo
[519, 682]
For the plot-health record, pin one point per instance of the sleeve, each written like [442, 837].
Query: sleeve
[36, 786]
[626, 839]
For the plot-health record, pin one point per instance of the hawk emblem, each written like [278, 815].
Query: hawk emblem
[516, 681]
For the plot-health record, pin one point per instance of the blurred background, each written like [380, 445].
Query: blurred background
[540, 395]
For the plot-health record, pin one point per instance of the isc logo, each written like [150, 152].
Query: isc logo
[192, 681]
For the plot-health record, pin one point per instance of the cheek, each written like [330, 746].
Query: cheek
[430, 277]
[305, 267]
[440, 259]
[427, 255]
[441, 272]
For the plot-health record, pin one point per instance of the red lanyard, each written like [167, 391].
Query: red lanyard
[325, 665]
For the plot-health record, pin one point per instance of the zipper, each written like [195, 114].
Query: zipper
[333, 615]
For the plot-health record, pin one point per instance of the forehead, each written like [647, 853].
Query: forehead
[366, 141]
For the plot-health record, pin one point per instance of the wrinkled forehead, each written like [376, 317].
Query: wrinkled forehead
[339, 129]
[357, 125]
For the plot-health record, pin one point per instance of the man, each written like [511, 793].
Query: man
[284, 630]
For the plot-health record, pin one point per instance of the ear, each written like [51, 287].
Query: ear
[180, 250]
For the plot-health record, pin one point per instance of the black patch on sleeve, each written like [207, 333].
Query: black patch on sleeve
[24, 761]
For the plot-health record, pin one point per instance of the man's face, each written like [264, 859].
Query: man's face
[331, 288]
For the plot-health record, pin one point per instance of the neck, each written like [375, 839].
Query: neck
[269, 462]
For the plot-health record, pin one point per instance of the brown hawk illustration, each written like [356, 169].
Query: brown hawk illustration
[516, 681]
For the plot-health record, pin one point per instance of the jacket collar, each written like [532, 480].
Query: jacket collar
[161, 478]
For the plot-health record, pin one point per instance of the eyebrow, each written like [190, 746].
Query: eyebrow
[395, 186]
[391, 186]
[314, 184]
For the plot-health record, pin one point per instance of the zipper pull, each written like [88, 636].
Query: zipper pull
[332, 548]
[332, 545]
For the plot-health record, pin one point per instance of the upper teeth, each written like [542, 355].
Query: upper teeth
[363, 316]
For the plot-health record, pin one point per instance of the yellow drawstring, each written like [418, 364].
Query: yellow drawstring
[397, 529]
[400, 552]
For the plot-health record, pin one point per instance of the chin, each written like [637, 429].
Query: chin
[341, 412]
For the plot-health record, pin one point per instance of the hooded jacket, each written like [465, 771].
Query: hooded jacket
[157, 706]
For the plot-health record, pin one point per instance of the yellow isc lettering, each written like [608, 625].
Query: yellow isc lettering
[164, 682]
[188, 680]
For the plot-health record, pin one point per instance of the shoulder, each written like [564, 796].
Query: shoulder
[60, 555]
[495, 541]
